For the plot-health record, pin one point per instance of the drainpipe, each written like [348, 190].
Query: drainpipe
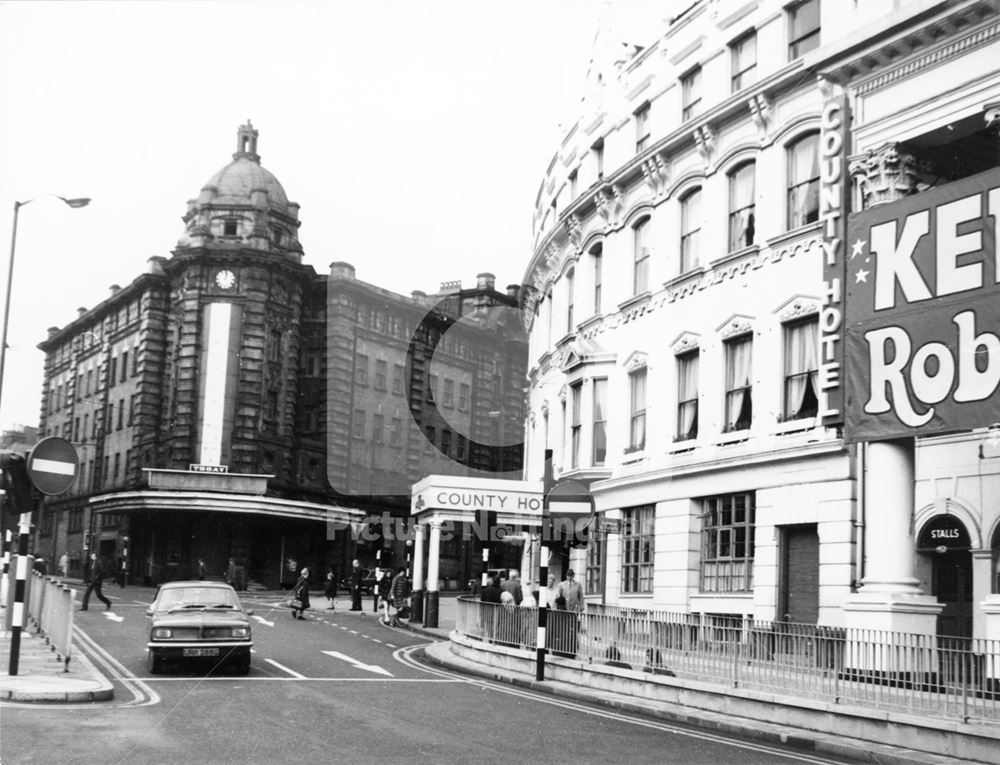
[859, 523]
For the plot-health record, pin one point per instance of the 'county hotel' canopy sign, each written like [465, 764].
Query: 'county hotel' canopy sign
[922, 313]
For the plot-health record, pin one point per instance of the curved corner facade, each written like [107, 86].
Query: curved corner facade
[676, 296]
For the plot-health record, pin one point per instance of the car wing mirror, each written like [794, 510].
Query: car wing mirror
[149, 612]
[249, 612]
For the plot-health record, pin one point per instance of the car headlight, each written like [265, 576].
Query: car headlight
[241, 632]
[161, 633]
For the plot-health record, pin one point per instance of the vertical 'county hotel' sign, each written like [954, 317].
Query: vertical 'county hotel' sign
[922, 313]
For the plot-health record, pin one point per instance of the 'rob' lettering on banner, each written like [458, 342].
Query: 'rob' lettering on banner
[922, 317]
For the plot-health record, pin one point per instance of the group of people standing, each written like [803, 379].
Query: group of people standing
[511, 626]
[393, 592]
[565, 596]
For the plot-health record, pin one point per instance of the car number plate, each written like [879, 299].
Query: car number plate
[201, 651]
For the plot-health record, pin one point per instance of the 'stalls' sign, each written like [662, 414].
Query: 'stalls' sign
[922, 313]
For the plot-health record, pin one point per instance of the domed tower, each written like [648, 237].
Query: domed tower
[233, 323]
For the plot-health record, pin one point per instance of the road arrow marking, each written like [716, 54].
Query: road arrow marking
[358, 664]
[262, 620]
[114, 618]
[282, 667]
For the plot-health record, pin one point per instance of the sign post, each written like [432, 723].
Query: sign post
[52, 467]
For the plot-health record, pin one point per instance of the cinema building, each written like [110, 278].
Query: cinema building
[231, 402]
[680, 314]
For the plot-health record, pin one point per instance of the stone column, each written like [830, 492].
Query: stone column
[982, 586]
[991, 615]
[890, 599]
[417, 596]
[433, 558]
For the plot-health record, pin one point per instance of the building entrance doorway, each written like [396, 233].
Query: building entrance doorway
[951, 584]
[798, 595]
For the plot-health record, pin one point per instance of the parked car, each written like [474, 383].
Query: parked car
[198, 620]
[368, 581]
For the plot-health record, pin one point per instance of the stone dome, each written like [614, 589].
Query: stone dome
[244, 205]
[244, 175]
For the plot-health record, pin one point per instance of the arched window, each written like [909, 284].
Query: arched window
[803, 181]
[690, 230]
[640, 270]
[742, 198]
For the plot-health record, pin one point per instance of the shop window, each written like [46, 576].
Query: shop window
[727, 543]
[637, 549]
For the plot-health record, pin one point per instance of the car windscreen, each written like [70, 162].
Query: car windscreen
[195, 598]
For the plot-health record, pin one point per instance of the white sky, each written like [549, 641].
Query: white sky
[413, 134]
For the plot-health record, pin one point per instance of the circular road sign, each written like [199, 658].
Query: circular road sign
[53, 465]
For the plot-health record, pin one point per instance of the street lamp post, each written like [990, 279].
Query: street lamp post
[74, 203]
[24, 523]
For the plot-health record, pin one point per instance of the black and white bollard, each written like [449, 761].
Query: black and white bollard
[20, 581]
[6, 566]
[543, 570]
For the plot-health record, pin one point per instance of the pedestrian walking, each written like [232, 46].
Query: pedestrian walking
[330, 588]
[231, 572]
[300, 595]
[99, 571]
[551, 592]
[529, 621]
[64, 565]
[572, 592]
[400, 594]
[356, 575]
[202, 569]
[383, 589]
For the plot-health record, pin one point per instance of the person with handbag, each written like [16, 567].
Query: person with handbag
[400, 594]
[300, 595]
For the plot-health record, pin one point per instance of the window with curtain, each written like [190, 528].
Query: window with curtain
[637, 548]
[381, 371]
[727, 543]
[600, 422]
[739, 401]
[803, 28]
[687, 395]
[637, 421]
[640, 244]
[803, 181]
[596, 254]
[575, 424]
[741, 207]
[641, 128]
[691, 94]
[690, 230]
[744, 61]
[361, 369]
[570, 276]
[801, 368]
[595, 564]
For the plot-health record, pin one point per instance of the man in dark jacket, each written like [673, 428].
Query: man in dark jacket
[513, 586]
[99, 571]
[356, 575]
[490, 598]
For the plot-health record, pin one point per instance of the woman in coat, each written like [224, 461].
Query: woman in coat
[400, 594]
[301, 592]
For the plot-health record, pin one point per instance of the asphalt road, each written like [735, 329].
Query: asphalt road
[338, 688]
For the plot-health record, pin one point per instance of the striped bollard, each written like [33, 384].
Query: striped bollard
[6, 565]
[543, 571]
[20, 583]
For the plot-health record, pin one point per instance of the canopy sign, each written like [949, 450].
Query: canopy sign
[922, 329]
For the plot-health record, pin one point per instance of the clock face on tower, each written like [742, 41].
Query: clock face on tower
[225, 279]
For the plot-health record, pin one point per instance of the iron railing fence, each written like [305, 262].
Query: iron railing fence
[949, 677]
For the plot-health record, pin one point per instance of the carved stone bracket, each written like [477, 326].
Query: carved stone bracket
[704, 138]
[562, 394]
[602, 201]
[656, 170]
[760, 113]
[574, 230]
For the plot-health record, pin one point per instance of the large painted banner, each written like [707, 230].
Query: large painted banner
[922, 313]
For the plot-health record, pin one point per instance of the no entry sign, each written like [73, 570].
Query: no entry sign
[52, 465]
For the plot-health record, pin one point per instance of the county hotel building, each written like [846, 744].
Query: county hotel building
[675, 297]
